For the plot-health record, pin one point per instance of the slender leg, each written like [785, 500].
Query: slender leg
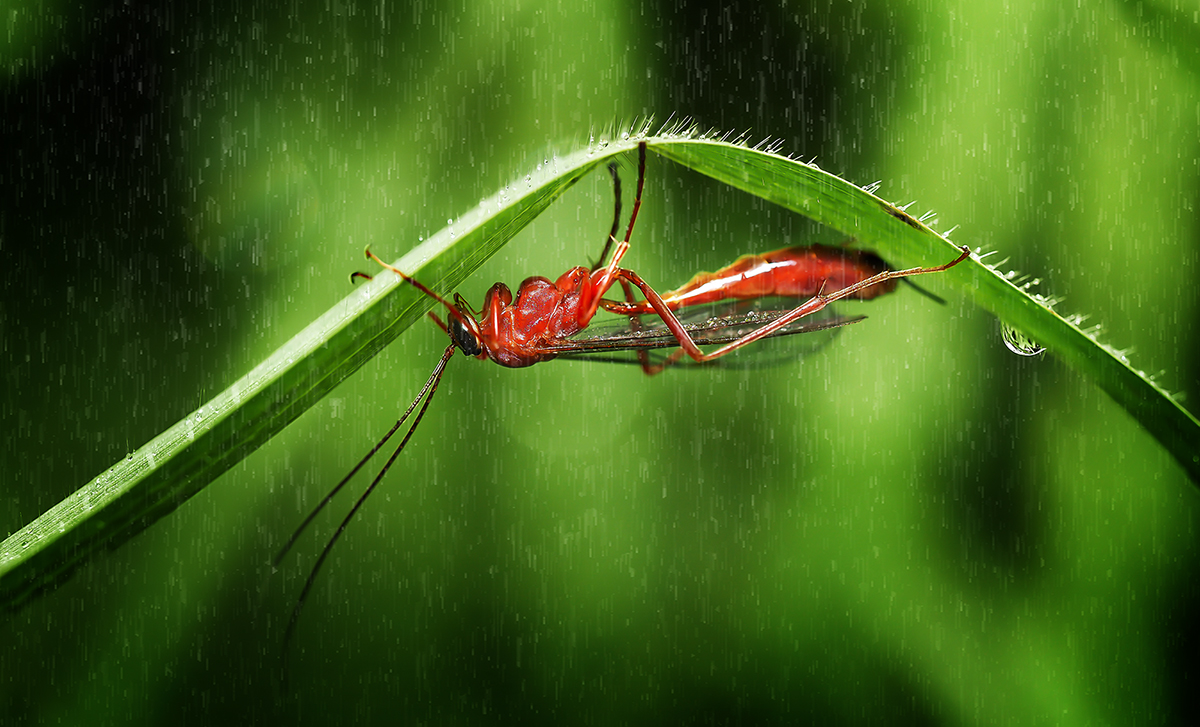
[609, 273]
[612, 235]
[635, 326]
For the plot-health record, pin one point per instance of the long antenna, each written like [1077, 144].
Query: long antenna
[427, 393]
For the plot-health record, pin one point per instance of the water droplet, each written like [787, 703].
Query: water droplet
[1018, 342]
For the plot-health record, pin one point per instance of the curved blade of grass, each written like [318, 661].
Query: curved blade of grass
[905, 241]
[178, 463]
[163, 474]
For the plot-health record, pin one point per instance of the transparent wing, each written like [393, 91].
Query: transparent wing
[619, 340]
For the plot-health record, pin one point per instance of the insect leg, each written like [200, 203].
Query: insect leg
[612, 235]
[610, 272]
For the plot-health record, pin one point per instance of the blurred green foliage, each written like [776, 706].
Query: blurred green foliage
[913, 525]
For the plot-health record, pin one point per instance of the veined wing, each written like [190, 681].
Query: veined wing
[620, 341]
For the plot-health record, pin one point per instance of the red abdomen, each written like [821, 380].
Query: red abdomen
[793, 272]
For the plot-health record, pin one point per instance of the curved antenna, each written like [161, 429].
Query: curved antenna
[468, 323]
[427, 393]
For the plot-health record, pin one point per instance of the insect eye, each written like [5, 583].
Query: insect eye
[463, 337]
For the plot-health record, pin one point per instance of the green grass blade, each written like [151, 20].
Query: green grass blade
[177, 464]
[905, 241]
[160, 476]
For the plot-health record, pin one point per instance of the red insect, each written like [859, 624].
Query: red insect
[541, 322]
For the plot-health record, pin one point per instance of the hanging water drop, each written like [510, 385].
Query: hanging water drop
[1018, 342]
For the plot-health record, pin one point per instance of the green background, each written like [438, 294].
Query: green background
[912, 525]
